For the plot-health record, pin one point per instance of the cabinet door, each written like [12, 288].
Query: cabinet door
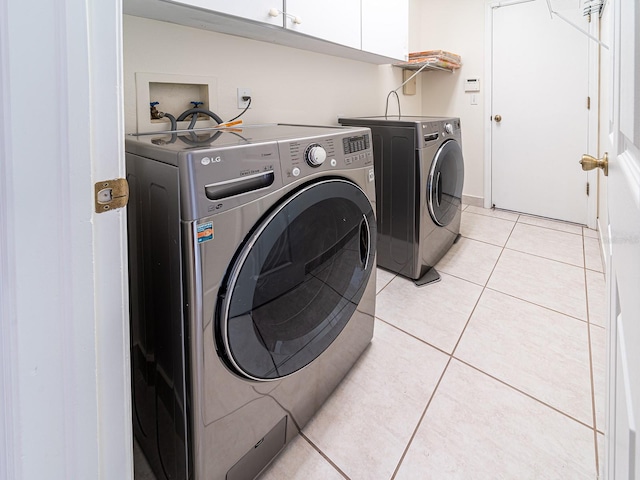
[337, 21]
[257, 10]
[385, 28]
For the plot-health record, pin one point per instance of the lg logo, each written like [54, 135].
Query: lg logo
[209, 160]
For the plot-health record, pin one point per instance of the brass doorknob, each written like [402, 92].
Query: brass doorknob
[498, 118]
[589, 163]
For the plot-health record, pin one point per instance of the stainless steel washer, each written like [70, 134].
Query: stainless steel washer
[420, 173]
[252, 285]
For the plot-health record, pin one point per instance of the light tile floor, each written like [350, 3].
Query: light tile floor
[497, 371]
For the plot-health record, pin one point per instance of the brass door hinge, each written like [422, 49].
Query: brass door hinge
[587, 189]
[588, 103]
[111, 194]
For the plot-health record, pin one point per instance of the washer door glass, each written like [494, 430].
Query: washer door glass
[444, 185]
[297, 280]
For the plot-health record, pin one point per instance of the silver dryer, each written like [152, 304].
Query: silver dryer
[419, 178]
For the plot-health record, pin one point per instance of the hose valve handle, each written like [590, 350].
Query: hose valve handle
[195, 104]
[155, 114]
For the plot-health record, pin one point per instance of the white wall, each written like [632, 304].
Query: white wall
[287, 84]
[457, 26]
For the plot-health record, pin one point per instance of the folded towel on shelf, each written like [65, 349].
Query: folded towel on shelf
[436, 61]
[439, 54]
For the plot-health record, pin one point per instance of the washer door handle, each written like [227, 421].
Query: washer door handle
[365, 242]
[438, 188]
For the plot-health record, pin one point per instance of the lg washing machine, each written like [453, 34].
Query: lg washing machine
[419, 178]
[252, 288]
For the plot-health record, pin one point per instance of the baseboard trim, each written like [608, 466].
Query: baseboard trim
[473, 201]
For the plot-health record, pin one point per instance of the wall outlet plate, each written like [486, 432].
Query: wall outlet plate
[243, 92]
[174, 92]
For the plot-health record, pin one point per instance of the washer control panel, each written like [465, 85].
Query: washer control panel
[222, 169]
[304, 157]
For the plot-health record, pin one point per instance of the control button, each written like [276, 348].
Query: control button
[333, 162]
[295, 172]
[372, 175]
[348, 160]
[448, 128]
[205, 161]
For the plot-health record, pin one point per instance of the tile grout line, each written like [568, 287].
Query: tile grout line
[424, 412]
[546, 258]
[451, 356]
[522, 392]
[323, 455]
[538, 305]
[519, 220]
[495, 216]
[421, 340]
[568, 316]
[550, 229]
[482, 292]
[587, 322]
[592, 377]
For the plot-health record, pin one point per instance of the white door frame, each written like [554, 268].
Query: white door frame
[65, 401]
[592, 200]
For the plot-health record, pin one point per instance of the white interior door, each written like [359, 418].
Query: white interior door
[65, 395]
[623, 408]
[540, 85]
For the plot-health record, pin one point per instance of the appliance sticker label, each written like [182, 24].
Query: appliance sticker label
[205, 232]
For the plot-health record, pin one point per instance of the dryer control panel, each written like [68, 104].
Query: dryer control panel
[438, 130]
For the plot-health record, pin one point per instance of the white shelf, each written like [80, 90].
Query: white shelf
[426, 65]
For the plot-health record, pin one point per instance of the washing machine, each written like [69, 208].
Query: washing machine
[419, 178]
[252, 288]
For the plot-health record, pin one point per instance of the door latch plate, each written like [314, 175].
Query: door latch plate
[111, 194]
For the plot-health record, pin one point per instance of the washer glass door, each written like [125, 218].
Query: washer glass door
[444, 185]
[297, 280]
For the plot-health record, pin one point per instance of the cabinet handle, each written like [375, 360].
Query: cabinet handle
[274, 12]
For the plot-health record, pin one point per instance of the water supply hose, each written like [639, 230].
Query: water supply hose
[195, 111]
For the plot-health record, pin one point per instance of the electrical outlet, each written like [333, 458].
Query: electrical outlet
[243, 92]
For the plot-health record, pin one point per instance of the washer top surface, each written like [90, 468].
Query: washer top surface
[182, 140]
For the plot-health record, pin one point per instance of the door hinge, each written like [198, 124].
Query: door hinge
[587, 189]
[588, 103]
[111, 194]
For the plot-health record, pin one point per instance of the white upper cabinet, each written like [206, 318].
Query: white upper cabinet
[385, 28]
[257, 10]
[373, 31]
[337, 21]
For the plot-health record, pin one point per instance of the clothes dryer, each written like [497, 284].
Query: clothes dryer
[419, 178]
[252, 286]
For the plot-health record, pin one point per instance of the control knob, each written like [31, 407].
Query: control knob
[448, 128]
[315, 155]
